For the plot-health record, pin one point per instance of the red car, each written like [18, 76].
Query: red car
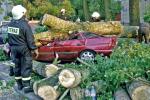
[84, 45]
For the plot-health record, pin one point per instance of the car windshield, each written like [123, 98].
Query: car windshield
[90, 35]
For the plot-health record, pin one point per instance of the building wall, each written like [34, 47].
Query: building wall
[125, 12]
[143, 5]
[7, 8]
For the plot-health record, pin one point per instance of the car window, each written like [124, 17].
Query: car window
[90, 35]
[74, 36]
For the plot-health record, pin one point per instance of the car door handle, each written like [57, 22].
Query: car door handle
[78, 44]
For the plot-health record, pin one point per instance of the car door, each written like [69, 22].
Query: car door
[69, 49]
[96, 42]
[99, 43]
[46, 53]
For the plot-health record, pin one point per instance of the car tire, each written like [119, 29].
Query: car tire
[87, 55]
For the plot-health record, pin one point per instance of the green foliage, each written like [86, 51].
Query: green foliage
[40, 29]
[37, 8]
[2, 55]
[130, 60]
[147, 18]
[74, 8]
[6, 18]
[6, 85]
[147, 14]
[115, 10]
[36, 77]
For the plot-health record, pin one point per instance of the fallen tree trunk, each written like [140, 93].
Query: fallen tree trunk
[42, 36]
[45, 69]
[129, 32]
[69, 78]
[47, 88]
[138, 90]
[61, 26]
[121, 94]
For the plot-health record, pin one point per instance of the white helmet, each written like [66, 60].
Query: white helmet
[95, 15]
[63, 10]
[18, 11]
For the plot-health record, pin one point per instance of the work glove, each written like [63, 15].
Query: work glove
[35, 53]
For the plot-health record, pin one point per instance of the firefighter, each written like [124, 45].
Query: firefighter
[63, 14]
[21, 43]
[95, 17]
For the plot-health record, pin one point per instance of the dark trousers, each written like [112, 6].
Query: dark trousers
[23, 62]
[142, 37]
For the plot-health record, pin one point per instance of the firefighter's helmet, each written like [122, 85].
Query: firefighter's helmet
[18, 11]
[95, 15]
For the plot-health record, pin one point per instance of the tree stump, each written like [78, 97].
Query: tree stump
[47, 88]
[69, 78]
[138, 90]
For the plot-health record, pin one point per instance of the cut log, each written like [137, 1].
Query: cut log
[48, 93]
[61, 26]
[77, 93]
[139, 91]
[46, 88]
[121, 94]
[45, 69]
[69, 78]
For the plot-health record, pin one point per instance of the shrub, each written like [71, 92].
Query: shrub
[128, 61]
[2, 55]
[40, 29]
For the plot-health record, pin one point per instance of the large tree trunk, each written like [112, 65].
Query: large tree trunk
[107, 10]
[42, 36]
[134, 12]
[86, 10]
[62, 27]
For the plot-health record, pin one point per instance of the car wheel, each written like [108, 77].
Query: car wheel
[87, 55]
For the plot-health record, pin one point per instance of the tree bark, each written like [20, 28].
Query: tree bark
[107, 10]
[86, 10]
[138, 90]
[134, 12]
[46, 36]
[47, 88]
[62, 27]
[45, 69]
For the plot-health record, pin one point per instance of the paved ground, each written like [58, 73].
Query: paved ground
[16, 94]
